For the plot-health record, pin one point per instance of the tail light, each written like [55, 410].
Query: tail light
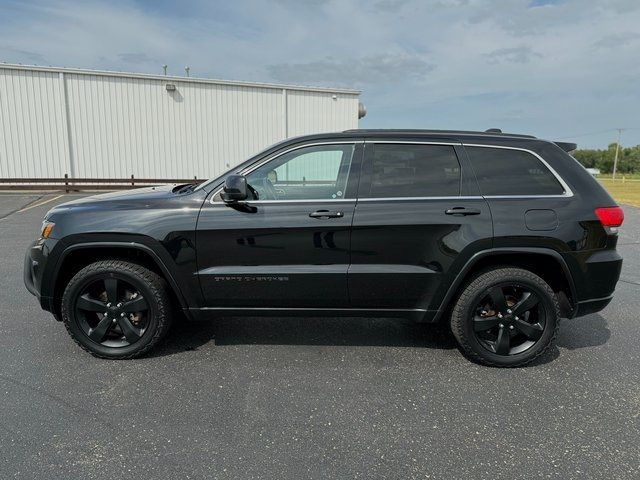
[610, 216]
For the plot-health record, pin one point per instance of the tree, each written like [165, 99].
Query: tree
[628, 159]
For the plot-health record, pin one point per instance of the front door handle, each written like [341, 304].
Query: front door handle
[326, 214]
[462, 211]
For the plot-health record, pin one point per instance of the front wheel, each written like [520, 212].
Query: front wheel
[505, 317]
[116, 309]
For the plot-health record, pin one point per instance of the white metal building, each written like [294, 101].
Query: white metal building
[98, 124]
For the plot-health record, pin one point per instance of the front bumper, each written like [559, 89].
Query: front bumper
[35, 261]
[30, 267]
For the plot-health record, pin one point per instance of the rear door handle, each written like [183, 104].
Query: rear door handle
[462, 211]
[326, 214]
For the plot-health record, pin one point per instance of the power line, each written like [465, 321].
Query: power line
[596, 133]
[588, 134]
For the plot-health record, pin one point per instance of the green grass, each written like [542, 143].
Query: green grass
[619, 176]
[623, 191]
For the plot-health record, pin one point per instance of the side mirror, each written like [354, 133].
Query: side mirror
[235, 189]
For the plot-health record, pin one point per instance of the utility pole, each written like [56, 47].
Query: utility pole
[615, 160]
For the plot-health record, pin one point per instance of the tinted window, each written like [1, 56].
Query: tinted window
[399, 170]
[308, 173]
[512, 172]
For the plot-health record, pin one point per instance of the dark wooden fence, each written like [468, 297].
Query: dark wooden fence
[78, 184]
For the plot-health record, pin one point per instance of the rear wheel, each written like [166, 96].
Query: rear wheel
[505, 317]
[116, 309]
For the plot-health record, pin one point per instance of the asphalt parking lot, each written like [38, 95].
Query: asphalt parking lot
[312, 398]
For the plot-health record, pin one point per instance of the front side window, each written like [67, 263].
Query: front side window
[406, 170]
[310, 173]
[502, 171]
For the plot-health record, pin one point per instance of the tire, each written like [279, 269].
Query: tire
[116, 309]
[513, 336]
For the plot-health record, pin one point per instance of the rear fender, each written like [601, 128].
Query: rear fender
[497, 253]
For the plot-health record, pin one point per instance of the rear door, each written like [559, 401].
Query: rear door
[418, 211]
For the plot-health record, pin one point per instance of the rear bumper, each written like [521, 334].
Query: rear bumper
[591, 306]
[595, 277]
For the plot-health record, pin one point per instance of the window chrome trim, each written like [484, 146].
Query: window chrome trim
[567, 190]
[416, 142]
[255, 166]
[395, 199]
[266, 202]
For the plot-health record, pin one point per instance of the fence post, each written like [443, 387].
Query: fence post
[66, 183]
[66, 124]
[133, 183]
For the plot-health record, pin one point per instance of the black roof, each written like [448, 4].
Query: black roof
[490, 136]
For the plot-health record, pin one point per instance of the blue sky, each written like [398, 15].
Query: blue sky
[559, 69]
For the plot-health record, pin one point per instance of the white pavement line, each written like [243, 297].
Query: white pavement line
[39, 204]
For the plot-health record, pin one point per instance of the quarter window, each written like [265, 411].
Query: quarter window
[406, 170]
[309, 173]
[503, 171]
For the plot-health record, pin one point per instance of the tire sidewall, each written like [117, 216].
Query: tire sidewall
[481, 290]
[75, 289]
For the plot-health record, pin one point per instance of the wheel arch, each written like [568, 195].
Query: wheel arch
[76, 256]
[541, 261]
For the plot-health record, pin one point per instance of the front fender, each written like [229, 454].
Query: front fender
[178, 280]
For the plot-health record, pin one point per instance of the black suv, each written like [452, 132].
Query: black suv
[500, 235]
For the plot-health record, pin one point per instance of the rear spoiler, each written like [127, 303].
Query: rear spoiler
[566, 146]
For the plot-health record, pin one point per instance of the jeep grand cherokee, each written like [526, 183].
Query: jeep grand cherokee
[499, 235]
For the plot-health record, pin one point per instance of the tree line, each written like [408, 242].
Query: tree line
[628, 159]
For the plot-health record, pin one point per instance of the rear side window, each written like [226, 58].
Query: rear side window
[405, 170]
[503, 171]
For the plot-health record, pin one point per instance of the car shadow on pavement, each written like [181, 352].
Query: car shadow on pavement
[589, 331]
[186, 336]
[583, 332]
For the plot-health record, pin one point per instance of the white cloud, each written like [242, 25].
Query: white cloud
[567, 67]
[380, 69]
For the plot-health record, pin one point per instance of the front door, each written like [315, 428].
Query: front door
[290, 248]
[416, 213]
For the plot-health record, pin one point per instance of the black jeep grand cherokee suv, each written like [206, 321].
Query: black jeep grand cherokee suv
[501, 235]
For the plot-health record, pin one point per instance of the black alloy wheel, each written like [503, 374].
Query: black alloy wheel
[116, 309]
[509, 319]
[505, 317]
[112, 312]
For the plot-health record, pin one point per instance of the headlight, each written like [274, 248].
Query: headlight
[47, 228]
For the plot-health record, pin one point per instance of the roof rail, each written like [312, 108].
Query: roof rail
[491, 131]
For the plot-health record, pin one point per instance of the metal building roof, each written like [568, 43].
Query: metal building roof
[239, 83]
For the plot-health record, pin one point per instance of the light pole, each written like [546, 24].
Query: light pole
[615, 160]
